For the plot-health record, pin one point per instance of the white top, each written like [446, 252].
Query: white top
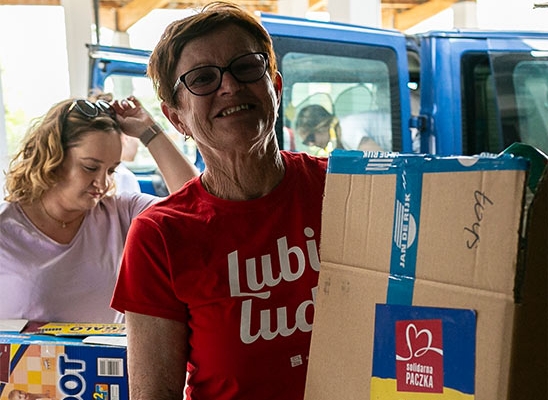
[375, 125]
[125, 179]
[42, 280]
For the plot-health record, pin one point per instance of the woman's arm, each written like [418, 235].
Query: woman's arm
[137, 122]
[157, 357]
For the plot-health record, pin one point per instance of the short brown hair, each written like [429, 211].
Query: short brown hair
[164, 58]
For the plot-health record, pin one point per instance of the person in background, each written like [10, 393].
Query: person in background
[218, 280]
[367, 132]
[125, 179]
[318, 131]
[62, 227]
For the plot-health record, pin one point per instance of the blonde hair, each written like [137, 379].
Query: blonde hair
[34, 168]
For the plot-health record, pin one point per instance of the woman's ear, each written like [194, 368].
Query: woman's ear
[172, 115]
[278, 84]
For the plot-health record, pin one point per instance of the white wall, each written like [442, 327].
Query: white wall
[3, 144]
[357, 12]
[78, 26]
[490, 14]
[296, 8]
[33, 68]
[512, 14]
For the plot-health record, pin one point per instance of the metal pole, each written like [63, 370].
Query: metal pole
[96, 16]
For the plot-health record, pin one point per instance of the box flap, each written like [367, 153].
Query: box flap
[443, 214]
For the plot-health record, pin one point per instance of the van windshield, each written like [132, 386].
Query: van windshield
[332, 101]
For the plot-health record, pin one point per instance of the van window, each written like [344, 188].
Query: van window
[505, 100]
[530, 79]
[338, 96]
[360, 109]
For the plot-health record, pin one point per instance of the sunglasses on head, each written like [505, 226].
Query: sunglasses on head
[92, 110]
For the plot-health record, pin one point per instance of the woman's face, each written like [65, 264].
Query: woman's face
[236, 117]
[86, 173]
[318, 136]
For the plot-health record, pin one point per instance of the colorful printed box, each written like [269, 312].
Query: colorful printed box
[61, 368]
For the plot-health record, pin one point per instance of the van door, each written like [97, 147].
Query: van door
[483, 91]
[347, 80]
[521, 84]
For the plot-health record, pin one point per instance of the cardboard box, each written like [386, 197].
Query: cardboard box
[62, 367]
[416, 291]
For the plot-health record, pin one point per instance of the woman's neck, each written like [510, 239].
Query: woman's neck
[46, 217]
[244, 179]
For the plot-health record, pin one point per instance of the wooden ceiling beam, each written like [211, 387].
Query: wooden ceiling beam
[120, 15]
[123, 17]
[133, 11]
[317, 5]
[30, 2]
[388, 16]
[397, 6]
[406, 19]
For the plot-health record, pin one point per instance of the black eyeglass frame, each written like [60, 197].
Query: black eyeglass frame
[222, 70]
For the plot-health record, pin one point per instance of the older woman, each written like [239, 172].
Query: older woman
[62, 227]
[218, 281]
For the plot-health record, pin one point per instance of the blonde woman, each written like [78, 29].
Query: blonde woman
[63, 228]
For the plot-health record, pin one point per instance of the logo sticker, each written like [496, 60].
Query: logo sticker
[419, 356]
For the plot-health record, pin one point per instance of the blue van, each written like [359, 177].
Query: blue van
[446, 93]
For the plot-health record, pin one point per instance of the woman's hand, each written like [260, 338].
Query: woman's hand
[135, 121]
[133, 118]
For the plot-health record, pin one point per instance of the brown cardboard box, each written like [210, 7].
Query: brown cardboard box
[416, 292]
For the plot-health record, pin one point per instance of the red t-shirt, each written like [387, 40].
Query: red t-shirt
[242, 274]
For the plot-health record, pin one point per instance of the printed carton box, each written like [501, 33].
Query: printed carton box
[416, 297]
[62, 367]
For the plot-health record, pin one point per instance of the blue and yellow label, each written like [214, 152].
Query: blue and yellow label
[423, 353]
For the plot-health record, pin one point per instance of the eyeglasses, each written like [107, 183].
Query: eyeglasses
[92, 110]
[205, 80]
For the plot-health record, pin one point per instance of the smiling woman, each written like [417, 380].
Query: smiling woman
[203, 268]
